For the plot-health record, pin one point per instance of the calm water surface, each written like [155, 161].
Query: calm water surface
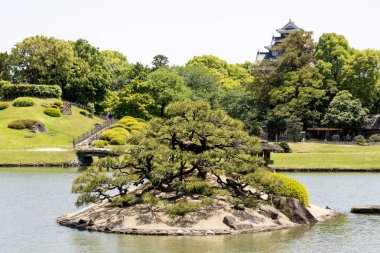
[31, 199]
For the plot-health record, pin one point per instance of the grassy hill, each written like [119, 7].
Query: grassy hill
[315, 155]
[16, 149]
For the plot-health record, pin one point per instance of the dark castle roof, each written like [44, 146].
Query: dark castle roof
[290, 26]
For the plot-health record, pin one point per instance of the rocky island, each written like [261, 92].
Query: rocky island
[195, 172]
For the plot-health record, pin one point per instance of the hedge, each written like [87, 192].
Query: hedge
[3, 105]
[22, 123]
[35, 90]
[23, 102]
[52, 112]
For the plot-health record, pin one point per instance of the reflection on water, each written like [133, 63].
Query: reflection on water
[32, 198]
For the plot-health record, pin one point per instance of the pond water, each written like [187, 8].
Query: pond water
[31, 199]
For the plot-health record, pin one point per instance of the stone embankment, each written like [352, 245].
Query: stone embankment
[366, 209]
[218, 219]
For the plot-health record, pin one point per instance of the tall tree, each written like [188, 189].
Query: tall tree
[5, 73]
[335, 50]
[165, 86]
[119, 68]
[360, 76]
[345, 112]
[41, 59]
[160, 61]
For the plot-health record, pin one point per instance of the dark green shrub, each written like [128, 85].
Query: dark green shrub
[23, 102]
[16, 90]
[3, 105]
[374, 138]
[84, 113]
[182, 208]
[285, 147]
[55, 106]
[360, 140]
[52, 112]
[22, 123]
[99, 143]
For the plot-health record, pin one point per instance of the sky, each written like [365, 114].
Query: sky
[180, 29]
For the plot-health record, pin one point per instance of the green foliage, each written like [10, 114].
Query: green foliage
[124, 200]
[52, 112]
[22, 123]
[165, 86]
[23, 102]
[115, 136]
[360, 140]
[150, 199]
[197, 186]
[228, 75]
[374, 138]
[281, 185]
[178, 153]
[182, 208]
[58, 103]
[360, 76]
[160, 61]
[334, 50]
[3, 105]
[99, 143]
[345, 112]
[285, 146]
[292, 188]
[44, 60]
[84, 113]
[45, 91]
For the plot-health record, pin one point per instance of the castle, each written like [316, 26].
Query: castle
[272, 54]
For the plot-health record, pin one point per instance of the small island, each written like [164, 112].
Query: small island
[193, 172]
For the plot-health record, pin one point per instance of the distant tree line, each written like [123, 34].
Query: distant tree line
[323, 83]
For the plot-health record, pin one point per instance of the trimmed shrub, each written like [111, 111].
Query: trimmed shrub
[281, 185]
[23, 102]
[84, 113]
[35, 90]
[22, 123]
[3, 105]
[115, 136]
[58, 103]
[374, 138]
[52, 112]
[360, 140]
[55, 106]
[130, 123]
[118, 141]
[285, 147]
[292, 188]
[99, 143]
[182, 208]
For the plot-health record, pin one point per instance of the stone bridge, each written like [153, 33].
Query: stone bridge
[85, 155]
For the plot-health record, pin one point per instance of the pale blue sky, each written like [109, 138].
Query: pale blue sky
[140, 29]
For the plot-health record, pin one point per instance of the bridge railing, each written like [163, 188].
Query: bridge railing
[95, 131]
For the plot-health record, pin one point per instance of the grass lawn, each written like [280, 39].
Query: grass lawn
[315, 155]
[15, 148]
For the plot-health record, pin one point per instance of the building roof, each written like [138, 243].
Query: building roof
[374, 122]
[290, 26]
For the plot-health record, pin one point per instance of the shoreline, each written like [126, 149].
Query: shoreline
[219, 220]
